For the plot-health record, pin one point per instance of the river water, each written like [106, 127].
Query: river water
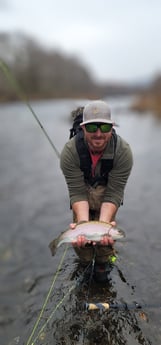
[34, 209]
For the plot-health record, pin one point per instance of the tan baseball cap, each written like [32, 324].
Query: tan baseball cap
[96, 111]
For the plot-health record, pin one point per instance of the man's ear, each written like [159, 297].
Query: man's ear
[83, 127]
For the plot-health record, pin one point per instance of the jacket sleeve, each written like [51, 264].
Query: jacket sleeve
[119, 174]
[70, 166]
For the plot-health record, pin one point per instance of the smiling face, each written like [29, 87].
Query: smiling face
[97, 141]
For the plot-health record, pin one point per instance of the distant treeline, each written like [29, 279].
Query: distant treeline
[44, 73]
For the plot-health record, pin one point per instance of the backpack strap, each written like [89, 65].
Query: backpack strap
[86, 162]
[84, 156]
[107, 164]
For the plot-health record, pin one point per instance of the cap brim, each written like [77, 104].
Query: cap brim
[97, 120]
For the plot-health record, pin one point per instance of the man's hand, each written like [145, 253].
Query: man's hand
[81, 240]
[73, 225]
[107, 240]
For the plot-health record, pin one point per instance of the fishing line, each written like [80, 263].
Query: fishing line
[91, 274]
[53, 312]
[47, 298]
[21, 94]
[89, 286]
[57, 306]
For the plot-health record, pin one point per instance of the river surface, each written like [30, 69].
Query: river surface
[34, 209]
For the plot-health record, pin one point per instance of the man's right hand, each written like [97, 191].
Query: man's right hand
[81, 240]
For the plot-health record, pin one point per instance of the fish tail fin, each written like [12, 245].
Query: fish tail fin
[53, 246]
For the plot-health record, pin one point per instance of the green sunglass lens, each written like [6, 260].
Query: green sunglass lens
[106, 127]
[92, 127]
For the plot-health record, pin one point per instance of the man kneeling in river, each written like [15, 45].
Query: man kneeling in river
[96, 164]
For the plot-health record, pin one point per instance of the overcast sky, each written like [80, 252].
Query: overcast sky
[117, 40]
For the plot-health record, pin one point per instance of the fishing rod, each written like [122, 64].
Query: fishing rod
[107, 306]
[118, 306]
[21, 94]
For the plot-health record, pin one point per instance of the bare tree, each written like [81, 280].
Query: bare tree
[43, 73]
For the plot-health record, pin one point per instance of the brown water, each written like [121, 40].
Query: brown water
[34, 208]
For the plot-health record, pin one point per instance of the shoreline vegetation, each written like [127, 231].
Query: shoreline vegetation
[148, 101]
[48, 74]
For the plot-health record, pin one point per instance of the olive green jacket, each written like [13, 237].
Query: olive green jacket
[117, 178]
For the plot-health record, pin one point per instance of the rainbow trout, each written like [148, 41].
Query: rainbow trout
[92, 231]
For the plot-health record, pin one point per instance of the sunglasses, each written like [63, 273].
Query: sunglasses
[93, 127]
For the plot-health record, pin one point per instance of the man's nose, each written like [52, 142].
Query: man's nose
[98, 132]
